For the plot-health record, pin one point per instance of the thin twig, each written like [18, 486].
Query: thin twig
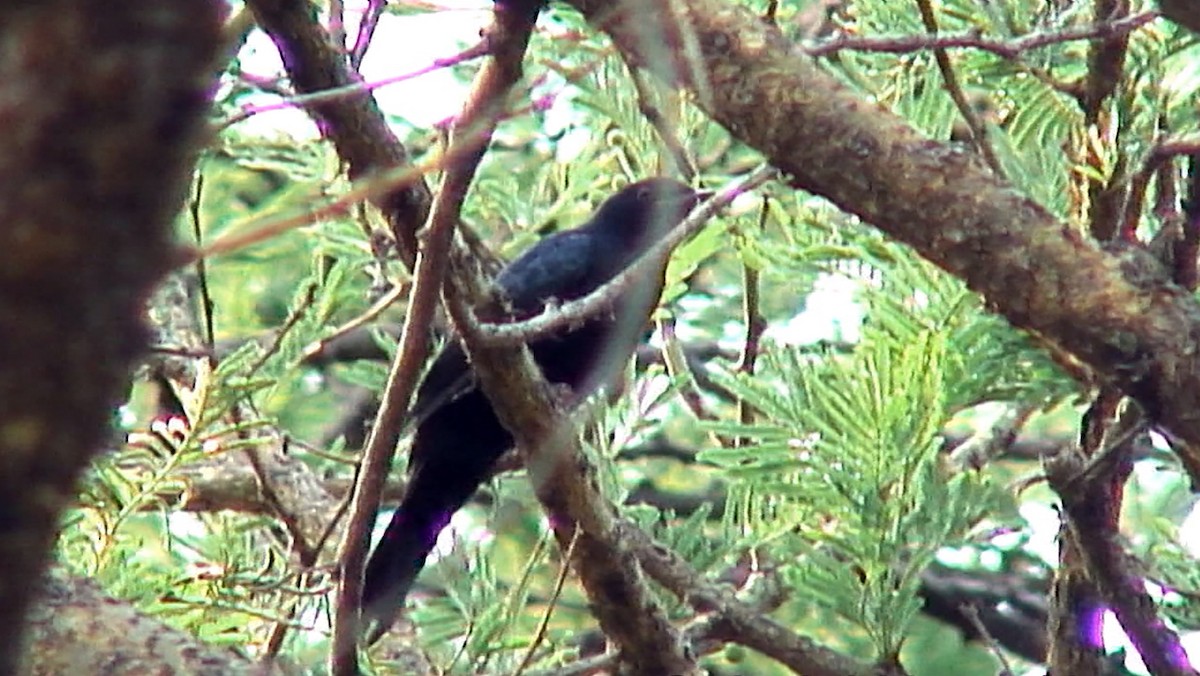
[677, 368]
[366, 31]
[319, 346]
[1007, 49]
[206, 302]
[752, 316]
[355, 124]
[739, 622]
[544, 624]
[979, 131]
[370, 188]
[664, 126]
[293, 318]
[972, 614]
[353, 89]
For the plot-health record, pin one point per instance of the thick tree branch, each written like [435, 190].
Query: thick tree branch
[76, 629]
[1111, 312]
[102, 105]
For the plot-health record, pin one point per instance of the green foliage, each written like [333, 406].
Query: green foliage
[837, 481]
[846, 477]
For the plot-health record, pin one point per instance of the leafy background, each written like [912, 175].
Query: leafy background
[837, 481]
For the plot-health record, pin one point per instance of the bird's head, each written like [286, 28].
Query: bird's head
[641, 213]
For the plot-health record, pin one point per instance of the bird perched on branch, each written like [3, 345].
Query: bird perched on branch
[458, 438]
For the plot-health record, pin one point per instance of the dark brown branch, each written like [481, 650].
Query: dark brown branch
[354, 123]
[560, 474]
[1011, 606]
[1186, 13]
[752, 317]
[103, 106]
[508, 38]
[1089, 512]
[580, 517]
[1106, 62]
[366, 31]
[1036, 271]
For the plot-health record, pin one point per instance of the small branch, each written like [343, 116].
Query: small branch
[1090, 495]
[1157, 162]
[979, 132]
[381, 444]
[679, 370]
[1106, 61]
[664, 126]
[627, 613]
[1007, 49]
[972, 613]
[206, 302]
[473, 129]
[366, 31]
[371, 188]
[1187, 249]
[752, 316]
[352, 90]
[981, 449]
[738, 622]
[564, 483]
[540, 634]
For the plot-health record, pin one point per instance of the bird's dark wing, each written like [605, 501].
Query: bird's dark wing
[558, 267]
[449, 377]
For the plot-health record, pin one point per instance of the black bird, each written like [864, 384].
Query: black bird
[458, 438]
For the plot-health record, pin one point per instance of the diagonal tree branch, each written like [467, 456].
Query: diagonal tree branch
[1115, 313]
[508, 38]
[736, 621]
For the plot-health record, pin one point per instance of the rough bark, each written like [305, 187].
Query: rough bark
[100, 103]
[76, 629]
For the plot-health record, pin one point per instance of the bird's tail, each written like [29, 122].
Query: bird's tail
[397, 559]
